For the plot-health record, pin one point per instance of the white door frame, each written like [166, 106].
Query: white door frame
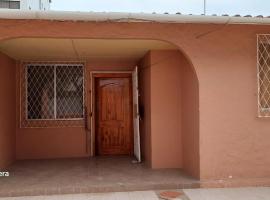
[136, 116]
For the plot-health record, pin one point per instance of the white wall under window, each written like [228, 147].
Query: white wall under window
[38, 4]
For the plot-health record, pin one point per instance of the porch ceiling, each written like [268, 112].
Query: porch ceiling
[79, 49]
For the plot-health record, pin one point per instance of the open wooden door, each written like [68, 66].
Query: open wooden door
[136, 117]
[113, 115]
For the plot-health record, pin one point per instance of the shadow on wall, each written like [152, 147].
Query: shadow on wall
[169, 98]
[8, 111]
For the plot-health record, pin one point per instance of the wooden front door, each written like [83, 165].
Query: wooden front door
[113, 115]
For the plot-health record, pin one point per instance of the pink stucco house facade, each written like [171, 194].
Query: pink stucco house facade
[203, 101]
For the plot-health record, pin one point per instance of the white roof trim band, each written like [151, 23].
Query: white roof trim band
[129, 17]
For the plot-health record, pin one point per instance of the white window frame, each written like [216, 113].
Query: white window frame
[55, 94]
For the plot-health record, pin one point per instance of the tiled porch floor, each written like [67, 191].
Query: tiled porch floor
[147, 195]
[100, 174]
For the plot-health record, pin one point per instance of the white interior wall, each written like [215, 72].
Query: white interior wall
[24, 4]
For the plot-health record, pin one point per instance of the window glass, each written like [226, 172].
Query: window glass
[14, 5]
[4, 4]
[40, 92]
[10, 4]
[69, 93]
[54, 92]
[264, 75]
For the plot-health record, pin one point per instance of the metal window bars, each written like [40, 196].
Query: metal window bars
[52, 95]
[263, 74]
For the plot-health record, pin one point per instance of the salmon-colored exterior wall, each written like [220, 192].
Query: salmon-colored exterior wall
[7, 110]
[166, 109]
[233, 141]
[169, 96]
[165, 80]
[62, 142]
[190, 118]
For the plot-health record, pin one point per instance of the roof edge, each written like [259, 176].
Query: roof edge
[130, 17]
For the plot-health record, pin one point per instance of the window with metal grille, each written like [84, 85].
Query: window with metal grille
[264, 75]
[10, 4]
[53, 92]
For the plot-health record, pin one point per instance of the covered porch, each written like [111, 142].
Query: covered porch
[49, 151]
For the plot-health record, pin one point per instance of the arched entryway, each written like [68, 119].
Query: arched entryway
[168, 98]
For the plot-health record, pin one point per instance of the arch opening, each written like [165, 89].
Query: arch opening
[169, 98]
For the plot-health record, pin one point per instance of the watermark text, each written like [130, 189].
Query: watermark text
[4, 174]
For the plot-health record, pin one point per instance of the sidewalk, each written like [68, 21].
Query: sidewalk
[252, 193]
[191, 194]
